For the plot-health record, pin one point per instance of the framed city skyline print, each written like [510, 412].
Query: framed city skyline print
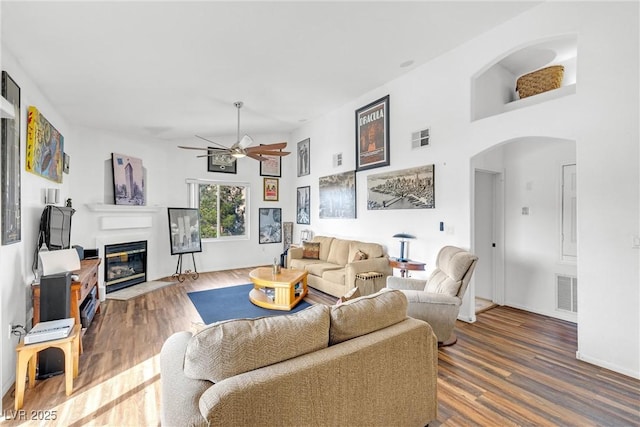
[338, 195]
[372, 135]
[184, 230]
[411, 188]
[10, 166]
[304, 157]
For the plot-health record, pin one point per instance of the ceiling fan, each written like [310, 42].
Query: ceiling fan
[242, 147]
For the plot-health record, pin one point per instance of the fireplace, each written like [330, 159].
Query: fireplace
[125, 265]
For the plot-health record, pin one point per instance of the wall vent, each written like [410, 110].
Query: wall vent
[567, 293]
[420, 138]
[337, 160]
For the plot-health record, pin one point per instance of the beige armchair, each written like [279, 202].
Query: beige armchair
[437, 300]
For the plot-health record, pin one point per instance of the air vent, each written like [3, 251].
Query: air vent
[567, 293]
[420, 138]
[337, 160]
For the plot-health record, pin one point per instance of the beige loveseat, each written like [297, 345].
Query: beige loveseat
[334, 272]
[363, 362]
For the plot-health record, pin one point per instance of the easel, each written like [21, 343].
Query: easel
[180, 275]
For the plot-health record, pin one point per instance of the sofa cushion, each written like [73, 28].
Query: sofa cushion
[302, 263]
[325, 245]
[358, 256]
[373, 250]
[366, 314]
[339, 252]
[335, 276]
[311, 250]
[231, 347]
[319, 268]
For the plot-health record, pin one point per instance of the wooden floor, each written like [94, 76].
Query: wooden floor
[509, 368]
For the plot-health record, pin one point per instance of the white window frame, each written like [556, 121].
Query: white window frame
[194, 202]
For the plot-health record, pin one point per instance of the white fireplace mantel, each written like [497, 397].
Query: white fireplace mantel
[104, 208]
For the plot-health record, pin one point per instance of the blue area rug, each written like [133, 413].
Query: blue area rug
[232, 303]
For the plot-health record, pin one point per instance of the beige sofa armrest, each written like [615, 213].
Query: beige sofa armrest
[180, 395]
[381, 265]
[421, 297]
[294, 252]
[402, 283]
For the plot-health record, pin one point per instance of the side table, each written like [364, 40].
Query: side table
[28, 354]
[406, 265]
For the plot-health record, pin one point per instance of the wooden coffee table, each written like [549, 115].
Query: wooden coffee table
[281, 291]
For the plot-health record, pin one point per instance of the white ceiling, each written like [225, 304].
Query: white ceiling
[174, 69]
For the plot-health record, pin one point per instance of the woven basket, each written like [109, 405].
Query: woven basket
[540, 81]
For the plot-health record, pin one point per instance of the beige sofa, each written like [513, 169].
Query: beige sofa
[363, 362]
[335, 270]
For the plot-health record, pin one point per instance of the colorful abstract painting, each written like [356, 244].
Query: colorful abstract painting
[45, 147]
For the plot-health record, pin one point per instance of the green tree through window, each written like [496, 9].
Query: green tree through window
[222, 209]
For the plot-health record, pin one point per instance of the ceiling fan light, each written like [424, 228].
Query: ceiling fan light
[238, 155]
[245, 141]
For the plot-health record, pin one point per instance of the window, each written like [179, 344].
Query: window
[223, 208]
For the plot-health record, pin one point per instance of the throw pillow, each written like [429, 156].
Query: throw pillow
[359, 256]
[311, 250]
[352, 294]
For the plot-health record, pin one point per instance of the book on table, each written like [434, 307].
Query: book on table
[49, 330]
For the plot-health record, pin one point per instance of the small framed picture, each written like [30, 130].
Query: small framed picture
[270, 189]
[65, 163]
[221, 162]
[303, 205]
[304, 157]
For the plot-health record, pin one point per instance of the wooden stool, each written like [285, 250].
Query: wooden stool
[369, 282]
[28, 356]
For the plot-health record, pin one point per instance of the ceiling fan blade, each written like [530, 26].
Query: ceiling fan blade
[213, 142]
[257, 157]
[245, 141]
[269, 153]
[191, 148]
[275, 146]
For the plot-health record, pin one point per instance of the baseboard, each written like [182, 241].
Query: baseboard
[607, 365]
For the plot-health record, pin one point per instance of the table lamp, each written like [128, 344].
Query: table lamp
[403, 238]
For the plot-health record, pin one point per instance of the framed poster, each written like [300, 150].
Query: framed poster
[272, 166]
[372, 135]
[270, 190]
[303, 205]
[10, 166]
[45, 147]
[304, 157]
[270, 225]
[338, 195]
[411, 188]
[222, 163]
[184, 230]
[128, 180]
[287, 234]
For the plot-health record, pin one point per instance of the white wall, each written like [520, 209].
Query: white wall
[167, 168]
[601, 117]
[16, 259]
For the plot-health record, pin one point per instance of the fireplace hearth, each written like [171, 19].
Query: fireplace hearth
[125, 265]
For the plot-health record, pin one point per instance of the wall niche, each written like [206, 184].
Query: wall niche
[493, 88]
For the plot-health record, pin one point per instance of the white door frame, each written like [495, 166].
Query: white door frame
[498, 227]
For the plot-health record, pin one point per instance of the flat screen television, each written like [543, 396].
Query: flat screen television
[55, 227]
